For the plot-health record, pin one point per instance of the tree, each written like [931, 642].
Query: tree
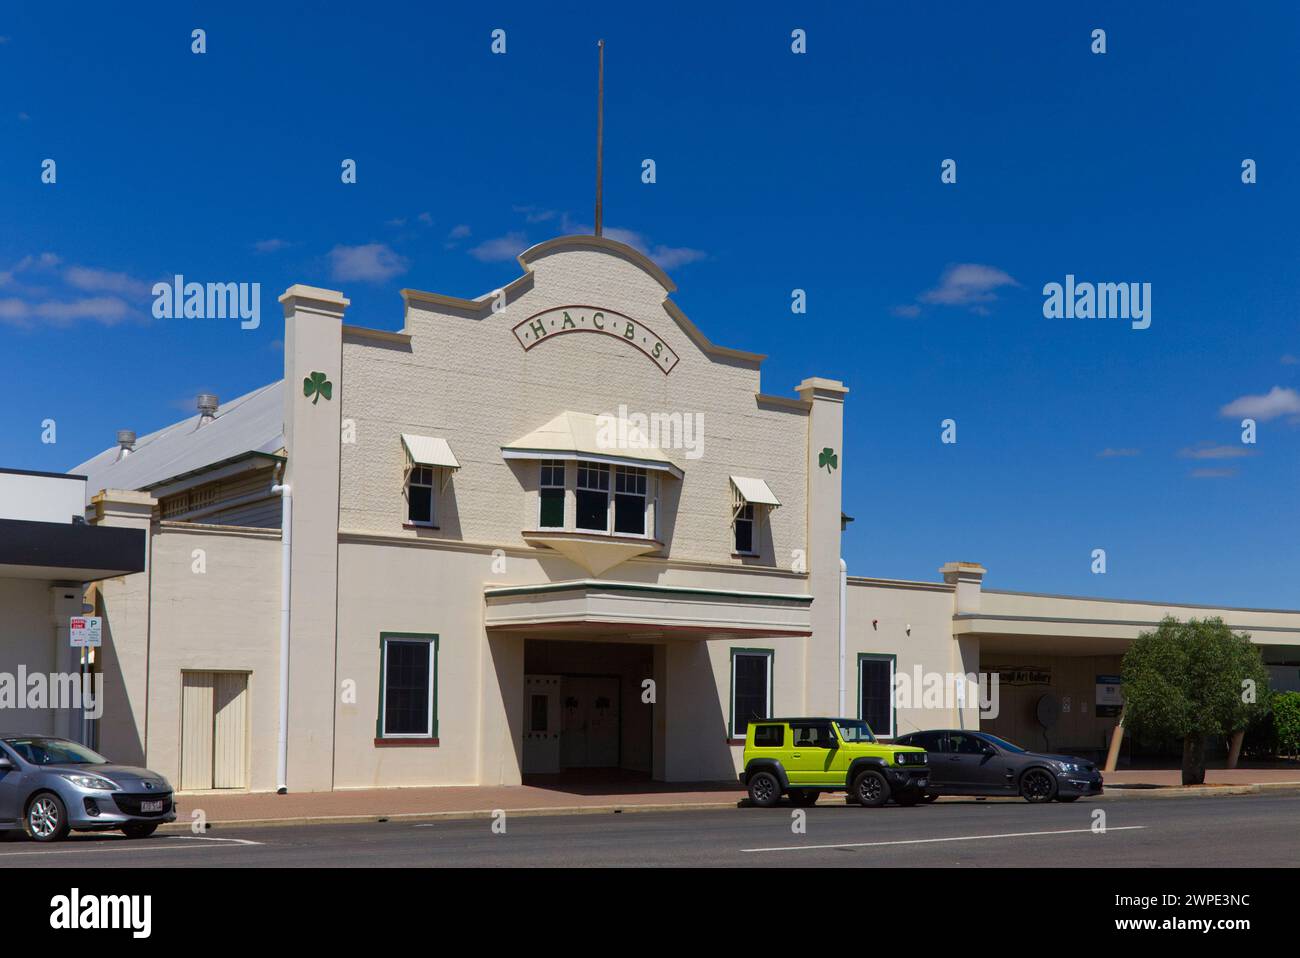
[1189, 680]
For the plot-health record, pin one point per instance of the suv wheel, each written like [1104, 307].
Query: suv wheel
[47, 819]
[764, 789]
[870, 789]
[804, 797]
[1038, 786]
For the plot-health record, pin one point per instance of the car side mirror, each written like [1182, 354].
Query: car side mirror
[5, 764]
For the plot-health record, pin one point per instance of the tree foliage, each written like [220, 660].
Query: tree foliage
[1191, 680]
[1286, 722]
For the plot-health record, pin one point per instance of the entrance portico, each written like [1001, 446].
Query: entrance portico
[614, 673]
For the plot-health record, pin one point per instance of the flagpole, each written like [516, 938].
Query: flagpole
[600, 131]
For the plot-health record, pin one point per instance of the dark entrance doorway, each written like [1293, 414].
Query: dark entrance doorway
[583, 711]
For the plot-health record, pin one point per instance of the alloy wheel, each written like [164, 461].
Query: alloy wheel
[43, 817]
[1037, 787]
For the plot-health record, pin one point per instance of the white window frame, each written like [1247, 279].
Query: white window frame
[432, 690]
[752, 519]
[432, 486]
[600, 468]
[770, 656]
[863, 658]
[634, 472]
[543, 466]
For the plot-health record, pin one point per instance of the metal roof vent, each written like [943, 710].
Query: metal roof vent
[208, 404]
[125, 443]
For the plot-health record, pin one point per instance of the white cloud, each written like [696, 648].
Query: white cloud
[533, 214]
[1112, 453]
[459, 231]
[108, 310]
[45, 261]
[1208, 450]
[910, 311]
[91, 280]
[1290, 360]
[273, 245]
[668, 257]
[30, 304]
[1276, 402]
[967, 283]
[372, 262]
[500, 249]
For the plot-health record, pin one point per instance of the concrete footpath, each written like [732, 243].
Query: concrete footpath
[462, 802]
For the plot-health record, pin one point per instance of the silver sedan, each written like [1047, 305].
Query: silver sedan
[49, 786]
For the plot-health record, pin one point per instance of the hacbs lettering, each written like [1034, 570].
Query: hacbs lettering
[586, 319]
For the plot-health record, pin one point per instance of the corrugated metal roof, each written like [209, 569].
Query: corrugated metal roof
[252, 423]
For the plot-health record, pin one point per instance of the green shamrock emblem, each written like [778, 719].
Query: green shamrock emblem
[317, 385]
[828, 459]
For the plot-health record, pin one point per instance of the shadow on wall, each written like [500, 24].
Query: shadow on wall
[697, 745]
[120, 738]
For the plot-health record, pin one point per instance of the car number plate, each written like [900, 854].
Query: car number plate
[155, 806]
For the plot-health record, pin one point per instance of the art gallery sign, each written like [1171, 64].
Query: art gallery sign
[587, 319]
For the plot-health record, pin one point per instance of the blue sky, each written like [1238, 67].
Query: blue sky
[775, 171]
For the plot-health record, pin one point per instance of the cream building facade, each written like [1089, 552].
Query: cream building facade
[552, 528]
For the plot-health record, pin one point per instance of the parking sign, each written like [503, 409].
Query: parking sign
[87, 631]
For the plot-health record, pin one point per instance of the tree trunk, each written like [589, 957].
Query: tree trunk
[1194, 760]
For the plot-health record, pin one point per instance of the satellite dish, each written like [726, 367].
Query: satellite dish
[1049, 710]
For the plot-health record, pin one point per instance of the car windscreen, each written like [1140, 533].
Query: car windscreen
[54, 751]
[855, 732]
[1004, 744]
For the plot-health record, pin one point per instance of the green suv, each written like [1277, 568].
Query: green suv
[803, 757]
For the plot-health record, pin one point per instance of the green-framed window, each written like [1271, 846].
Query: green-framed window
[408, 685]
[876, 704]
[751, 688]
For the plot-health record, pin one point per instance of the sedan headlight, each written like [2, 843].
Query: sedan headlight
[1069, 767]
[95, 782]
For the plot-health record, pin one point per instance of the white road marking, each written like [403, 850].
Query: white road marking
[926, 841]
[136, 845]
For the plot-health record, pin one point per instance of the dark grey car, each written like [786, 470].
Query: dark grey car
[50, 785]
[963, 762]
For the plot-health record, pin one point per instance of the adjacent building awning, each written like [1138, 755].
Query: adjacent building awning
[429, 451]
[578, 435]
[754, 491]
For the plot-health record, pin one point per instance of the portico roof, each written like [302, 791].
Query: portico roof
[644, 611]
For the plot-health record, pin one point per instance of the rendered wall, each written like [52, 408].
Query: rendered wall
[468, 380]
[225, 618]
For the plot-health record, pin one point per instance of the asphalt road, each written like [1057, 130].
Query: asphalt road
[1221, 832]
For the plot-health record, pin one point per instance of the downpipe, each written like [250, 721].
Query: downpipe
[844, 616]
[286, 579]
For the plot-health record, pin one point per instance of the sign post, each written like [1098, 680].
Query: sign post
[86, 632]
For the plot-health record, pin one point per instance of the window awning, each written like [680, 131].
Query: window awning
[429, 451]
[578, 435]
[754, 491]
